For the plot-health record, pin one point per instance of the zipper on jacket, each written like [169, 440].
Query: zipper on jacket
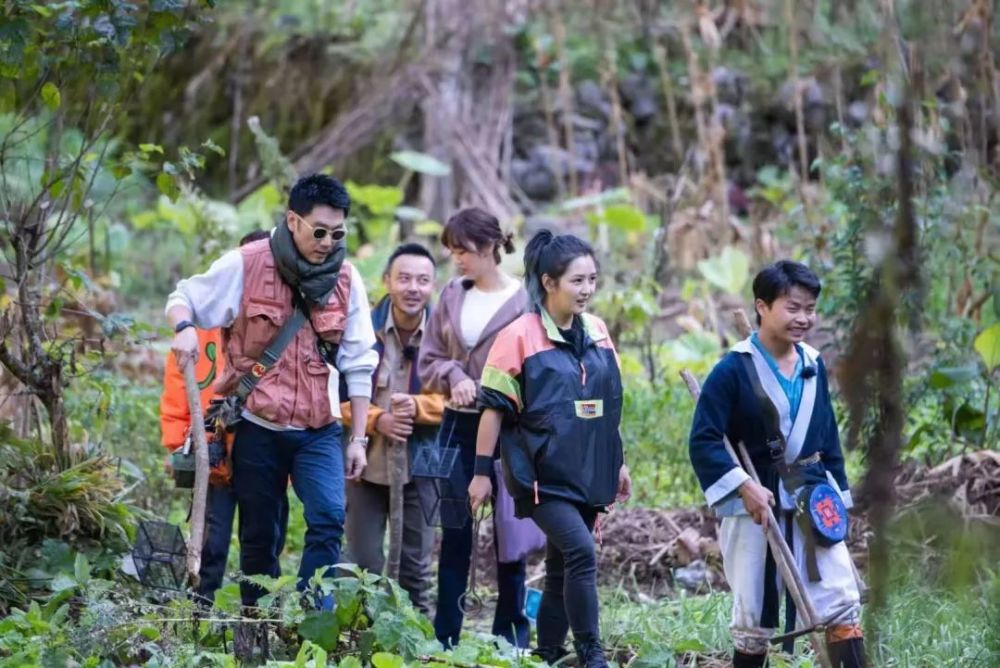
[536, 493]
[583, 375]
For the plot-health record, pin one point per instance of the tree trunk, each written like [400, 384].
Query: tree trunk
[467, 109]
[442, 20]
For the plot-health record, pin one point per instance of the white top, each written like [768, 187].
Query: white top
[479, 308]
[214, 299]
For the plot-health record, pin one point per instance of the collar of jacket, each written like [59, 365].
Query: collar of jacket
[380, 316]
[594, 334]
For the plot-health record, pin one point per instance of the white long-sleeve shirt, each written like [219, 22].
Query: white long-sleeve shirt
[214, 299]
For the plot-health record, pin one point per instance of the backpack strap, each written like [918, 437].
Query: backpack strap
[772, 421]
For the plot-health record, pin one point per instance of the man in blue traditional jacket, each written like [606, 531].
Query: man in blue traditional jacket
[771, 393]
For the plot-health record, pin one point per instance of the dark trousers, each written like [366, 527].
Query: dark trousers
[262, 462]
[509, 620]
[220, 509]
[569, 599]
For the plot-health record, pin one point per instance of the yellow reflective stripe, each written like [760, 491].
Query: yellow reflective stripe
[495, 379]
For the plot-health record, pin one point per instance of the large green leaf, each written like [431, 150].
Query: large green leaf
[728, 271]
[380, 200]
[626, 218]
[421, 162]
[949, 376]
[987, 344]
[321, 628]
[386, 660]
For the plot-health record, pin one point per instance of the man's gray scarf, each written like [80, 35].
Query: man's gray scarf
[315, 282]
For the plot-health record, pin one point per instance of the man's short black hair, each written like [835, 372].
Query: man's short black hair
[316, 190]
[778, 280]
[255, 235]
[409, 249]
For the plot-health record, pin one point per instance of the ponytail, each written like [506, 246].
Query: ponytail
[532, 261]
[550, 254]
[508, 244]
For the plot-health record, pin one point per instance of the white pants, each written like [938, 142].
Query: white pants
[744, 554]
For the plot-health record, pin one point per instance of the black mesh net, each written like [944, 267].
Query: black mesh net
[159, 555]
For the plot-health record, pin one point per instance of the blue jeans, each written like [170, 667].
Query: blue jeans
[262, 461]
[220, 508]
[509, 620]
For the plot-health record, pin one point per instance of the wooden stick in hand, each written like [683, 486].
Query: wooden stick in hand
[200, 444]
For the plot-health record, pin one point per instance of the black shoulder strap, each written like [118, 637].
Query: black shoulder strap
[273, 351]
[772, 421]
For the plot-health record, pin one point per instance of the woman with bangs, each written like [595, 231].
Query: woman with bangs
[470, 312]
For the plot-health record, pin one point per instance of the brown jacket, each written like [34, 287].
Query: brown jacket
[394, 375]
[444, 359]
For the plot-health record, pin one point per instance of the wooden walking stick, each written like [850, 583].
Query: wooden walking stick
[783, 558]
[396, 451]
[745, 329]
[200, 494]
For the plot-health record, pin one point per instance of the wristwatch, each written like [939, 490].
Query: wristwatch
[182, 325]
[363, 440]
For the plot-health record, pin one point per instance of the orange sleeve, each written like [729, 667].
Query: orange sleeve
[175, 417]
[430, 408]
[373, 414]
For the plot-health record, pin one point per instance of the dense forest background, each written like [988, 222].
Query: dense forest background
[691, 142]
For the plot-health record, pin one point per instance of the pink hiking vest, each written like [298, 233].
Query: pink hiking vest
[295, 391]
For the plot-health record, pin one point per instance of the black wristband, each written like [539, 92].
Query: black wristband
[484, 465]
[182, 325]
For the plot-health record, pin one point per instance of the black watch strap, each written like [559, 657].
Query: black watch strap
[182, 325]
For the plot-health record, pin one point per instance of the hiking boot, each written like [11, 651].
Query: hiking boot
[552, 654]
[589, 652]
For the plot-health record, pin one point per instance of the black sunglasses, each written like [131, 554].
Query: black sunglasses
[336, 235]
[321, 232]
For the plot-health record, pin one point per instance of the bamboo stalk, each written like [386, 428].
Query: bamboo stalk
[550, 121]
[200, 494]
[667, 82]
[617, 122]
[793, 66]
[566, 100]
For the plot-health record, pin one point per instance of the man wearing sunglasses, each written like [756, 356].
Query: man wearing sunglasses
[289, 422]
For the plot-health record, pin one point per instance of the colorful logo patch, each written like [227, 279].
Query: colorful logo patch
[257, 370]
[590, 409]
